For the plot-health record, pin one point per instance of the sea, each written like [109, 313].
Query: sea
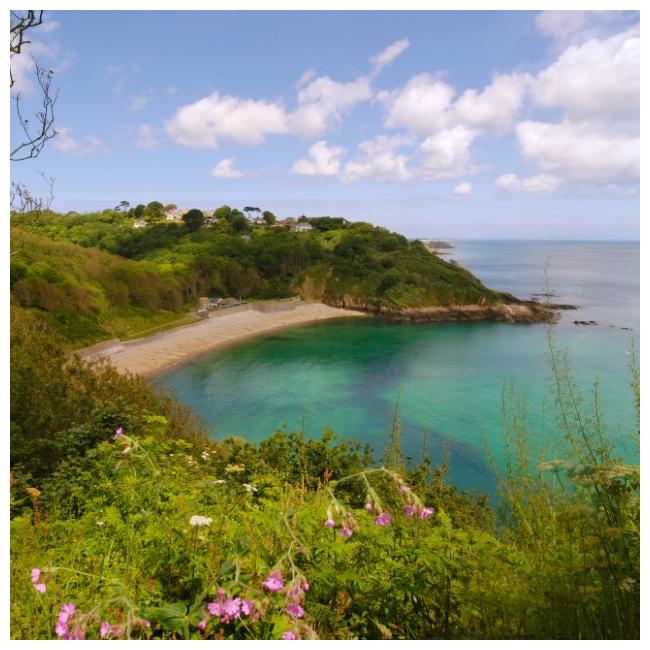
[451, 384]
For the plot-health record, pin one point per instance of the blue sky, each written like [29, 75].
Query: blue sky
[458, 124]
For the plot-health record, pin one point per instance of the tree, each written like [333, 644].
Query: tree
[238, 222]
[269, 217]
[170, 206]
[139, 210]
[193, 220]
[123, 205]
[41, 129]
[249, 209]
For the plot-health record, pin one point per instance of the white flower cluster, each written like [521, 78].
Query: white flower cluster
[197, 520]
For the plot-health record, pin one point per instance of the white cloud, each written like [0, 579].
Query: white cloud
[387, 56]
[539, 183]
[146, 137]
[580, 152]
[22, 66]
[380, 161]
[565, 27]
[422, 106]
[67, 144]
[446, 154]
[463, 188]
[495, 107]
[245, 121]
[322, 160]
[323, 102]
[225, 169]
[596, 80]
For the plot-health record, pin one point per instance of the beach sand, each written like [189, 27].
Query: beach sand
[162, 351]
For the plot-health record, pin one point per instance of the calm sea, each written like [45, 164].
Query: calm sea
[348, 375]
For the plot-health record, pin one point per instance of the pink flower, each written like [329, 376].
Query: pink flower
[383, 519]
[105, 629]
[345, 532]
[118, 433]
[368, 506]
[214, 608]
[426, 513]
[61, 629]
[144, 623]
[247, 607]
[330, 523]
[202, 624]
[410, 510]
[289, 636]
[40, 587]
[68, 610]
[404, 489]
[36, 575]
[295, 610]
[304, 586]
[230, 610]
[274, 582]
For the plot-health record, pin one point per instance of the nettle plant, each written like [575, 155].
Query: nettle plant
[230, 590]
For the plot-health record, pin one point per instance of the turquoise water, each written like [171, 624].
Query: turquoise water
[348, 374]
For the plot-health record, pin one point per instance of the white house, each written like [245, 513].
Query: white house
[140, 224]
[302, 226]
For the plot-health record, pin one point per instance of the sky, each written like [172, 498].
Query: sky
[459, 124]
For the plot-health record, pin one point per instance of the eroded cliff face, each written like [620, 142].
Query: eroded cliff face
[516, 312]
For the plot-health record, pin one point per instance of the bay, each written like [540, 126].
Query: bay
[348, 375]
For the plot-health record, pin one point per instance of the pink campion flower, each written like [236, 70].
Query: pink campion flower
[67, 611]
[368, 506]
[247, 607]
[36, 575]
[118, 433]
[295, 610]
[409, 510]
[105, 629]
[144, 623]
[404, 489]
[304, 586]
[214, 608]
[289, 636]
[202, 625]
[230, 609]
[61, 629]
[40, 587]
[274, 582]
[330, 523]
[383, 519]
[426, 513]
[345, 532]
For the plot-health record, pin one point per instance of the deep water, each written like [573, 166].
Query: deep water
[348, 374]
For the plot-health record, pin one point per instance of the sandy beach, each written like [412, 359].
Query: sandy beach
[162, 351]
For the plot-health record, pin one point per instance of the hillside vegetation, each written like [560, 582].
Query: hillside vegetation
[127, 522]
[95, 276]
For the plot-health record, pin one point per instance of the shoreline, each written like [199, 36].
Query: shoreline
[153, 355]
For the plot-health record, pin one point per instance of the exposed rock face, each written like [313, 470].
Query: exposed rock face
[511, 310]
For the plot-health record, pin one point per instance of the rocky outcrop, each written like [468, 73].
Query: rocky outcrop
[509, 310]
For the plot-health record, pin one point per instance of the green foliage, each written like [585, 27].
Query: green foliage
[193, 220]
[108, 521]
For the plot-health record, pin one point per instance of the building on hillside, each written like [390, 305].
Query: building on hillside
[287, 223]
[303, 226]
[140, 224]
[176, 214]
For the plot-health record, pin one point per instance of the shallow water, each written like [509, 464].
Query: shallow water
[348, 374]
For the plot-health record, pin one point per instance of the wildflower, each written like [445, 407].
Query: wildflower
[144, 623]
[99, 523]
[67, 611]
[247, 607]
[409, 510]
[289, 636]
[36, 575]
[330, 523]
[383, 519]
[368, 506]
[202, 625]
[345, 532]
[105, 629]
[426, 513]
[274, 582]
[220, 481]
[295, 610]
[198, 520]
[404, 489]
[304, 586]
[118, 433]
[40, 587]
[249, 488]
[230, 609]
